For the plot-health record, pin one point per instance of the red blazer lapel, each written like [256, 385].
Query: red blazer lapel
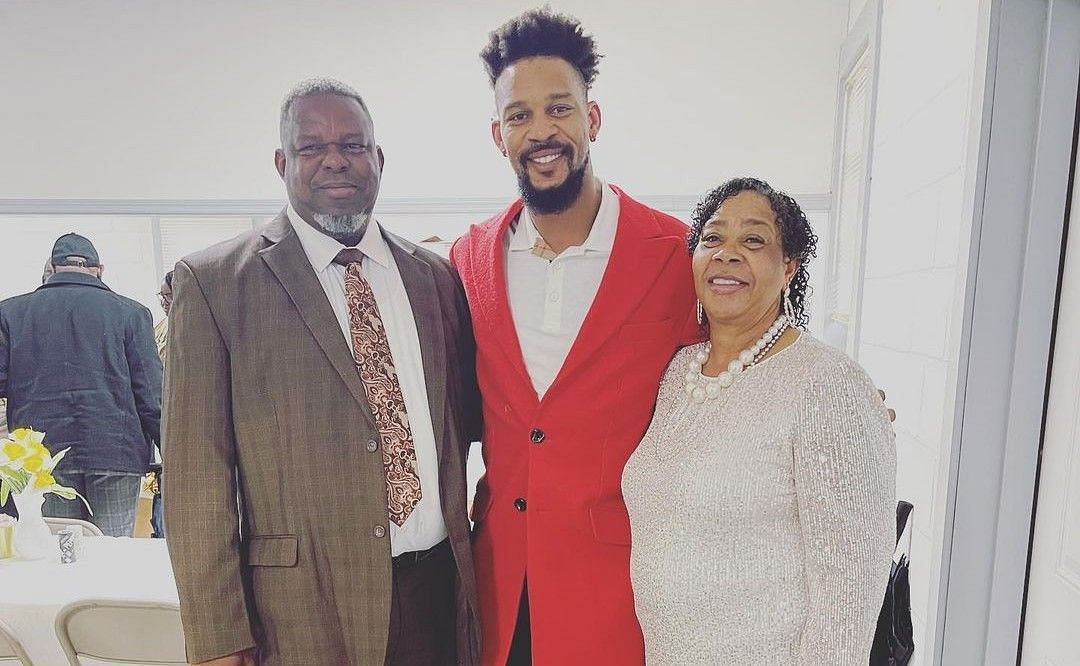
[641, 249]
[488, 268]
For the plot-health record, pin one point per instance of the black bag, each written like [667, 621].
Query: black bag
[893, 640]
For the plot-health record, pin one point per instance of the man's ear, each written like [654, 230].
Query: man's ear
[279, 162]
[496, 136]
[595, 118]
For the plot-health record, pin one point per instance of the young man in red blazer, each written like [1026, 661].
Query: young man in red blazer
[579, 296]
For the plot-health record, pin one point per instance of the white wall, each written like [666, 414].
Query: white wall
[855, 8]
[925, 141]
[163, 99]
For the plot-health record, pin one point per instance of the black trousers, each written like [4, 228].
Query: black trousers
[521, 645]
[423, 609]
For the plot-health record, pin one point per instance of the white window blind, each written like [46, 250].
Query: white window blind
[180, 236]
[845, 269]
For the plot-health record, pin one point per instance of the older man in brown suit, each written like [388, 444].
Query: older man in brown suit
[320, 402]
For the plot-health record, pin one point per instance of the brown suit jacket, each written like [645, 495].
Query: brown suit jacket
[273, 496]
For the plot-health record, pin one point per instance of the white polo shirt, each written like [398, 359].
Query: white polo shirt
[549, 299]
[425, 526]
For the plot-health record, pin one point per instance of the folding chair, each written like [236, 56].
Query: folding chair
[11, 650]
[122, 632]
[88, 528]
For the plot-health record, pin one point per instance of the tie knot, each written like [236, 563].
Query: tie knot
[349, 255]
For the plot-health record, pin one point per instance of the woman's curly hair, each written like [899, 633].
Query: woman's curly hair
[796, 237]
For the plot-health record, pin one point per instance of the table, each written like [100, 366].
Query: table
[33, 592]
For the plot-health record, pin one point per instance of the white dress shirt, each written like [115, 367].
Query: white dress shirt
[425, 526]
[549, 299]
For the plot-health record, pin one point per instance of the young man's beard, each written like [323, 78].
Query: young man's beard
[337, 226]
[555, 199]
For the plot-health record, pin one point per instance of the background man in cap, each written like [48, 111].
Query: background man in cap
[78, 362]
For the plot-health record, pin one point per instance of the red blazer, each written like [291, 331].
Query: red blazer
[550, 504]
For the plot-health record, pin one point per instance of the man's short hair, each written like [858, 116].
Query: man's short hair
[316, 86]
[541, 32]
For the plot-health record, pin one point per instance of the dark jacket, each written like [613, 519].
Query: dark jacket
[78, 362]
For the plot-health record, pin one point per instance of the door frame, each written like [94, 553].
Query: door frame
[1021, 192]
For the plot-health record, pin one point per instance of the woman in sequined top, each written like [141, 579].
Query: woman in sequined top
[762, 497]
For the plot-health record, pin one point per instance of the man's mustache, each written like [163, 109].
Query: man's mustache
[547, 145]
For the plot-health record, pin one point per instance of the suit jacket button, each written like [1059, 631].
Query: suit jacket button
[372, 446]
[537, 435]
[379, 531]
[520, 504]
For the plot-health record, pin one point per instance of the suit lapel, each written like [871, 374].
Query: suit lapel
[639, 252]
[423, 294]
[286, 259]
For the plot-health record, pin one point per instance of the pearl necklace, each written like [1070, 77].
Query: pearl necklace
[700, 388]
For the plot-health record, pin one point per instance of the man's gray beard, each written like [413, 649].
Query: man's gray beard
[338, 225]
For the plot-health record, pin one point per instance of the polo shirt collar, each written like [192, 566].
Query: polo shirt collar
[601, 237]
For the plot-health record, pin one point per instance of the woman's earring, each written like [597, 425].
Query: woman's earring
[700, 314]
[789, 308]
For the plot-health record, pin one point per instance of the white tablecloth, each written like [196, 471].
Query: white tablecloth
[32, 593]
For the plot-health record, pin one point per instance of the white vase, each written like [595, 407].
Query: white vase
[31, 536]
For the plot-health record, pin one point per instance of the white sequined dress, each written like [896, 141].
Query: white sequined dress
[763, 522]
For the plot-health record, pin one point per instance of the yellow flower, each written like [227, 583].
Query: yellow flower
[21, 433]
[14, 450]
[43, 480]
[27, 464]
[25, 449]
[34, 462]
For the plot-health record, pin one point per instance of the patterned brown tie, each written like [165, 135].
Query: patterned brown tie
[371, 351]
